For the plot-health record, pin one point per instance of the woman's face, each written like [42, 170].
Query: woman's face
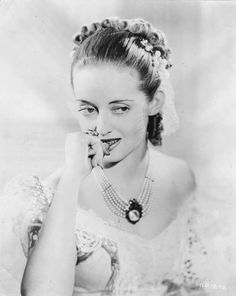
[108, 99]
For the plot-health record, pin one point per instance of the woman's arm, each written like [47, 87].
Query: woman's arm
[50, 269]
[51, 265]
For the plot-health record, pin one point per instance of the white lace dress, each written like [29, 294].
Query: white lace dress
[181, 260]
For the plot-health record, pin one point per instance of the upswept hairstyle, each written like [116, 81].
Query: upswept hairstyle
[127, 43]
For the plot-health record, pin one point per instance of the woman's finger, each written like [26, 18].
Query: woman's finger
[94, 161]
[94, 140]
[98, 157]
[97, 150]
[91, 151]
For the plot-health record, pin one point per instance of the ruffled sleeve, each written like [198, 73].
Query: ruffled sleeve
[28, 201]
[23, 207]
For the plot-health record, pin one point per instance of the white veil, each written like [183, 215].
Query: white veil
[169, 114]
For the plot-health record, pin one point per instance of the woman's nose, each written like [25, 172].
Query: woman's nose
[103, 126]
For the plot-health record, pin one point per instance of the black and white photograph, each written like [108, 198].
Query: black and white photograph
[117, 148]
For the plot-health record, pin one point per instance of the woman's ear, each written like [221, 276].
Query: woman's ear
[157, 102]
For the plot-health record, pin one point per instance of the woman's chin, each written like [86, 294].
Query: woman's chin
[109, 163]
[110, 160]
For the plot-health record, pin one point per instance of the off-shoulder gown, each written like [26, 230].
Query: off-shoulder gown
[183, 259]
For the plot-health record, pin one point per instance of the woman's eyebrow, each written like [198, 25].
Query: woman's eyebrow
[120, 101]
[87, 102]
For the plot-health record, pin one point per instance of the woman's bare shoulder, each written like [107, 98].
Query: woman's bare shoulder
[177, 171]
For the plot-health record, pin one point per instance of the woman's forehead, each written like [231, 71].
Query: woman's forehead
[102, 71]
[106, 81]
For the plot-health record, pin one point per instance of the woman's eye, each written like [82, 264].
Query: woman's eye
[87, 110]
[120, 110]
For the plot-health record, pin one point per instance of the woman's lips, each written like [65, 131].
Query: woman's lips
[111, 143]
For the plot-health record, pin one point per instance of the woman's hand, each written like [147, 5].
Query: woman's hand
[83, 152]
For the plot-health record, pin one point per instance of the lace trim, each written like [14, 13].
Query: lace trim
[194, 243]
[87, 244]
[186, 272]
[32, 237]
[28, 200]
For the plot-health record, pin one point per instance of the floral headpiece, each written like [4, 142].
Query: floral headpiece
[144, 35]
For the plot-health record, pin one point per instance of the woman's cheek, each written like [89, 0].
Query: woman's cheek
[137, 126]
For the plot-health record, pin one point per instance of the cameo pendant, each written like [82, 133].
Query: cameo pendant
[135, 211]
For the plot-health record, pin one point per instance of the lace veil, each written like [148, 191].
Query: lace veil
[169, 114]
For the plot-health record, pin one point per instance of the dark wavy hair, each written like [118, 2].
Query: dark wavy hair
[110, 45]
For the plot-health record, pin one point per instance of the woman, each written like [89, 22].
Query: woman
[118, 218]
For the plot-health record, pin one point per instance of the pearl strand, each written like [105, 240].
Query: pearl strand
[113, 200]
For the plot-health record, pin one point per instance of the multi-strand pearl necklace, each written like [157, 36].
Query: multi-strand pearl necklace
[132, 210]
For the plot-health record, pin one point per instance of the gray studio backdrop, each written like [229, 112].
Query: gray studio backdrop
[35, 46]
